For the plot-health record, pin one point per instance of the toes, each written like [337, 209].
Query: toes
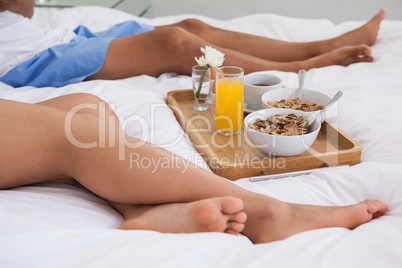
[232, 208]
[223, 214]
[381, 15]
[234, 228]
[231, 232]
[364, 59]
[376, 208]
[378, 18]
[360, 53]
[363, 51]
[240, 217]
[230, 205]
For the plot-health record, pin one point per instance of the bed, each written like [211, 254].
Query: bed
[61, 224]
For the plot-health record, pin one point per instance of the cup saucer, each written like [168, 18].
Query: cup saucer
[248, 109]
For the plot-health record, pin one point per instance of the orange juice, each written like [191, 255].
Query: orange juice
[229, 105]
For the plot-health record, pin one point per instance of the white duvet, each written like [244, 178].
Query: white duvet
[63, 225]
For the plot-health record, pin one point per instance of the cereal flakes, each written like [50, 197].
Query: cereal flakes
[282, 125]
[296, 104]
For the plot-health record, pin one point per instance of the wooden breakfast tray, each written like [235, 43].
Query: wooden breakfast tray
[234, 157]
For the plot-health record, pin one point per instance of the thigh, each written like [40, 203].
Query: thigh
[88, 103]
[33, 143]
[165, 49]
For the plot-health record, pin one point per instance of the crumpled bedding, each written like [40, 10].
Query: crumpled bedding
[61, 224]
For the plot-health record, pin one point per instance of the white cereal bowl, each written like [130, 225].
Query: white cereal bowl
[273, 145]
[290, 93]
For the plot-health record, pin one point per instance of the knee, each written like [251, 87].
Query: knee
[86, 103]
[85, 98]
[86, 131]
[82, 130]
[195, 26]
[176, 38]
[91, 123]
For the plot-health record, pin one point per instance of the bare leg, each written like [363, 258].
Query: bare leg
[209, 215]
[277, 50]
[23, 7]
[39, 130]
[221, 214]
[173, 48]
[144, 54]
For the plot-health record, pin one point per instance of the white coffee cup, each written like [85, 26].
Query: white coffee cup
[255, 85]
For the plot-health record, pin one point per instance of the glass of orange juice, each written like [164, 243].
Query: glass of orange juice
[229, 100]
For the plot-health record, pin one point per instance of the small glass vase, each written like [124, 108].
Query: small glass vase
[203, 93]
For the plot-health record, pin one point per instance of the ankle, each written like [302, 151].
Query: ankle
[327, 46]
[262, 206]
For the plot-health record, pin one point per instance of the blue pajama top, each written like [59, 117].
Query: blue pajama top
[72, 62]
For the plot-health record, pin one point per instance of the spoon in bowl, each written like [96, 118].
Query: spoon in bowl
[314, 117]
[301, 77]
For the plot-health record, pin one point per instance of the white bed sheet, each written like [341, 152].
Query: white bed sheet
[63, 225]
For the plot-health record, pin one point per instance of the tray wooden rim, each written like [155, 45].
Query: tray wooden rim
[230, 171]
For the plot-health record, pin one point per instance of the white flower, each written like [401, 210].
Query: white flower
[201, 61]
[212, 58]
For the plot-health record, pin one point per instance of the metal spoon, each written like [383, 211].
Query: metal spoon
[313, 117]
[301, 76]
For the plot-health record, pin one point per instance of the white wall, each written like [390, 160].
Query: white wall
[335, 10]
[136, 7]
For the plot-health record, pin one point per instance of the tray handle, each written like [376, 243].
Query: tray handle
[267, 176]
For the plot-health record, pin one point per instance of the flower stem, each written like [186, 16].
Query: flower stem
[202, 76]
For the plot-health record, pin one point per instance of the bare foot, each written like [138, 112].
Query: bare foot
[222, 214]
[342, 56]
[282, 220]
[366, 34]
